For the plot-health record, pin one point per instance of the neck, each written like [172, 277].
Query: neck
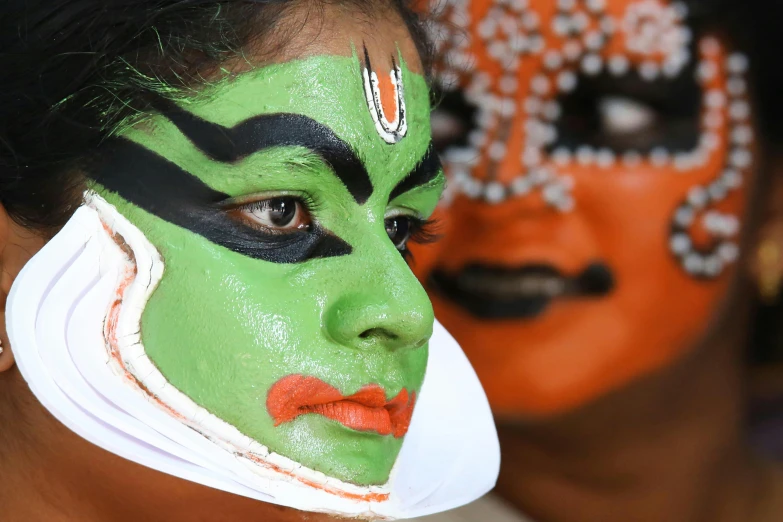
[668, 449]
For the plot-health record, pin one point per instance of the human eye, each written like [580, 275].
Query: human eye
[621, 116]
[275, 215]
[628, 113]
[403, 229]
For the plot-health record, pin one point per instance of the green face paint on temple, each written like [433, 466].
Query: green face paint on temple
[223, 326]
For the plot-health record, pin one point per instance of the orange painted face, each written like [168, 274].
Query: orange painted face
[597, 204]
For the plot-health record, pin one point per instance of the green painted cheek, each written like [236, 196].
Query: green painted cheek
[223, 328]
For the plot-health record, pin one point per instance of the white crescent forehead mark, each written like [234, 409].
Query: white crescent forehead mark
[392, 131]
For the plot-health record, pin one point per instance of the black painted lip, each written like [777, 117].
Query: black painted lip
[595, 281]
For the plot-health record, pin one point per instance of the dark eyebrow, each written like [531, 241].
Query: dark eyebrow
[167, 191]
[228, 145]
[425, 171]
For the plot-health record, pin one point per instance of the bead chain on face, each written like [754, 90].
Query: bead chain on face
[730, 102]
[510, 31]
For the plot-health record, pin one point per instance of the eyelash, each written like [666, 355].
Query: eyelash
[309, 205]
[423, 232]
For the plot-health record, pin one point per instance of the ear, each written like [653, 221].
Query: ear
[17, 246]
[766, 258]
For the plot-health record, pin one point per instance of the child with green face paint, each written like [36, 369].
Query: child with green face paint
[232, 303]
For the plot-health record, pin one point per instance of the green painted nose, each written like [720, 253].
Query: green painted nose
[385, 307]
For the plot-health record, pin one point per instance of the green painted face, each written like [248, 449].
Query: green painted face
[276, 200]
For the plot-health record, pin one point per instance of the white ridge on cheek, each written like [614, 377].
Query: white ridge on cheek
[553, 60]
[649, 71]
[594, 41]
[659, 157]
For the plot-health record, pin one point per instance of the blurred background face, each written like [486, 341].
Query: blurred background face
[598, 153]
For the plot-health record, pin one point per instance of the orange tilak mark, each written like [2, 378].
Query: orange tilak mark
[387, 90]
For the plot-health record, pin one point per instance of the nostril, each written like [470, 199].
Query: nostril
[378, 333]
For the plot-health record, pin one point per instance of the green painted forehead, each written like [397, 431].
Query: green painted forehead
[330, 90]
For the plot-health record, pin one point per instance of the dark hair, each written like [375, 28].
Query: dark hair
[73, 70]
[754, 26]
[765, 43]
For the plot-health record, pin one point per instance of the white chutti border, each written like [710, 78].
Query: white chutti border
[391, 131]
[128, 358]
[73, 319]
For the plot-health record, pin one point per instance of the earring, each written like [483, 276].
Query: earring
[1, 347]
[770, 276]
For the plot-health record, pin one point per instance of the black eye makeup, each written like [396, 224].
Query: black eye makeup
[277, 229]
[629, 113]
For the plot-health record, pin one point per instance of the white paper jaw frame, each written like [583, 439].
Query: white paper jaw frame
[61, 313]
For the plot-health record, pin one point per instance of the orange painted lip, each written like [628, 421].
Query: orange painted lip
[365, 410]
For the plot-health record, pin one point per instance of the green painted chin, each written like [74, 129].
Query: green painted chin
[224, 327]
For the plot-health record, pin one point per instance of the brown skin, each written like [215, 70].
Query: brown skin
[51, 474]
[669, 447]
[48, 473]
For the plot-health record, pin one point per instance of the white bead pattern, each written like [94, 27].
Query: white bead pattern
[657, 44]
[509, 31]
[723, 229]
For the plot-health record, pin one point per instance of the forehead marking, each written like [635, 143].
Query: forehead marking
[384, 98]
